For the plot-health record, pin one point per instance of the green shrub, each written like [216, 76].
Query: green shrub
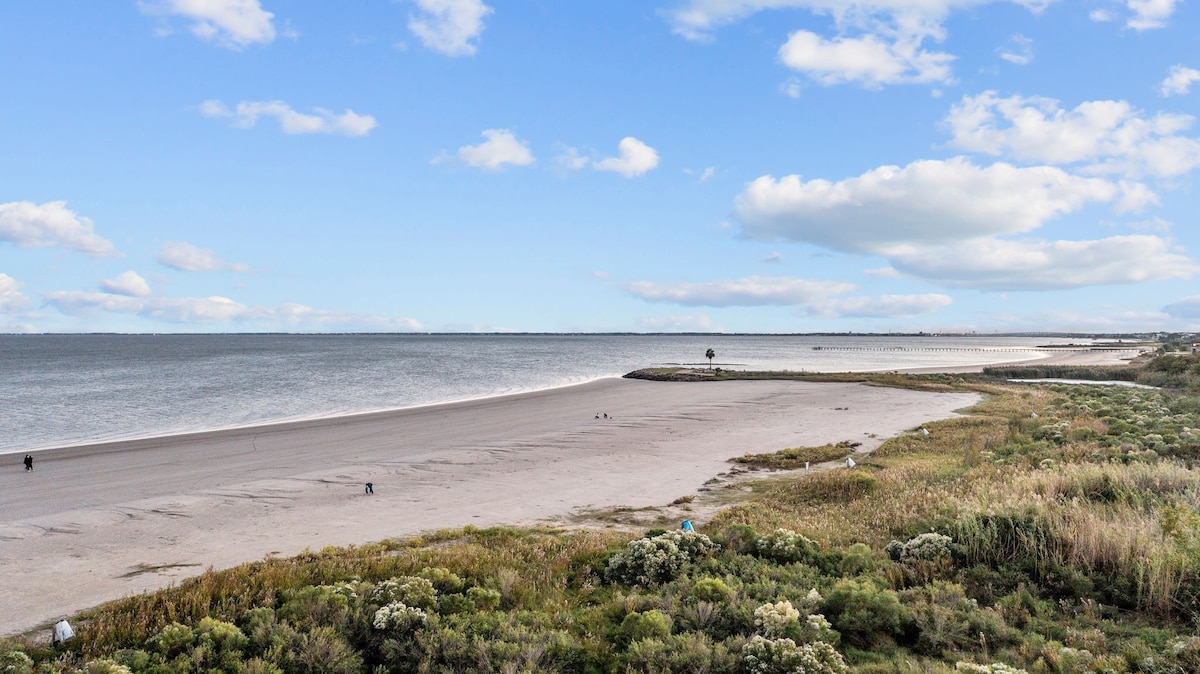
[173, 639]
[444, 580]
[711, 589]
[864, 614]
[653, 624]
[484, 599]
[315, 605]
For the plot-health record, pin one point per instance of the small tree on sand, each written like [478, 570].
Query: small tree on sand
[710, 354]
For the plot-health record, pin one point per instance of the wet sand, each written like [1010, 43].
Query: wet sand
[95, 523]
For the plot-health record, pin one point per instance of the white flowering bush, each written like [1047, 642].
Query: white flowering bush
[816, 628]
[927, 547]
[810, 602]
[399, 617]
[774, 619]
[15, 662]
[658, 559]
[783, 656]
[994, 668]
[410, 590]
[785, 546]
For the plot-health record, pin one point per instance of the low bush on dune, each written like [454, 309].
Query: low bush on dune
[1053, 531]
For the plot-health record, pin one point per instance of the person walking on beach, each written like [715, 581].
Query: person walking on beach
[28, 462]
[370, 489]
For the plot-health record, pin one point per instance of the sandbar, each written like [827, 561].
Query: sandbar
[95, 523]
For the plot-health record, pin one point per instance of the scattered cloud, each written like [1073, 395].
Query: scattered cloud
[774, 258]
[29, 225]
[1102, 15]
[687, 323]
[930, 201]
[219, 310]
[635, 159]
[229, 23]
[1150, 14]
[792, 87]
[451, 27]
[868, 60]
[997, 264]
[183, 256]
[247, 113]
[11, 298]
[1179, 81]
[602, 275]
[127, 283]
[752, 291]
[570, 159]
[1101, 136]
[699, 19]
[499, 150]
[811, 298]
[1019, 50]
[1188, 307]
[884, 306]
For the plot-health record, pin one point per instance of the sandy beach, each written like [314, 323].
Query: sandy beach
[95, 523]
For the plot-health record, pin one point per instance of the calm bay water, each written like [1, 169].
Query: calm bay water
[71, 389]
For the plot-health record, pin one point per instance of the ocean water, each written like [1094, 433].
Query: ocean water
[58, 390]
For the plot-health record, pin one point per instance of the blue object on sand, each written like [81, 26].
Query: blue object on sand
[687, 525]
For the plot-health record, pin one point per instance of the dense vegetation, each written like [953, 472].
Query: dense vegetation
[1055, 529]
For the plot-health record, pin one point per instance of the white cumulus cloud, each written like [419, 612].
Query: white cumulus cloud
[229, 23]
[127, 283]
[926, 201]
[1148, 14]
[451, 27]
[1179, 81]
[635, 159]
[247, 113]
[52, 224]
[1102, 136]
[11, 298]
[868, 60]
[183, 256]
[996, 264]
[499, 150]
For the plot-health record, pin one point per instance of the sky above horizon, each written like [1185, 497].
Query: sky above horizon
[600, 166]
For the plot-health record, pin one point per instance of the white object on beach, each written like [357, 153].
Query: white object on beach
[63, 631]
[850, 462]
[924, 431]
[805, 466]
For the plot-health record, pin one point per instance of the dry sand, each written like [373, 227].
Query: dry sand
[93, 524]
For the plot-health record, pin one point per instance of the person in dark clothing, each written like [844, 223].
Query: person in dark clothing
[370, 488]
[28, 462]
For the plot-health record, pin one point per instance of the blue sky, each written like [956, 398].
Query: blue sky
[599, 165]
